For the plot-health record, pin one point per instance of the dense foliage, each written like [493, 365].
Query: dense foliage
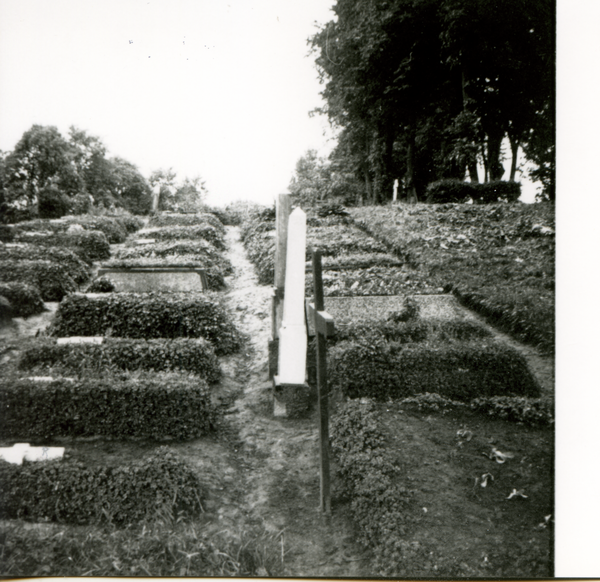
[51, 279]
[24, 299]
[153, 407]
[71, 492]
[421, 91]
[148, 316]
[191, 355]
[200, 231]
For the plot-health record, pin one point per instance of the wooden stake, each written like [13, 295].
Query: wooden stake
[323, 327]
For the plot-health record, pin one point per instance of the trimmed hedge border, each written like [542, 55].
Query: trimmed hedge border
[90, 245]
[25, 300]
[50, 278]
[74, 265]
[378, 369]
[71, 492]
[445, 191]
[181, 219]
[148, 316]
[206, 232]
[191, 355]
[173, 406]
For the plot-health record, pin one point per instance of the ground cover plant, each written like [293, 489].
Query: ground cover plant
[196, 356]
[498, 259]
[51, 279]
[117, 406]
[89, 245]
[24, 299]
[183, 219]
[78, 269]
[390, 457]
[202, 231]
[71, 492]
[148, 316]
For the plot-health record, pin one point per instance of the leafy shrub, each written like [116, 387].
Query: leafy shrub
[25, 300]
[530, 411]
[71, 492]
[101, 285]
[490, 192]
[152, 407]
[51, 279]
[409, 312]
[112, 227]
[129, 222]
[52, 203]
[200, 231]
[369, 479]
[381, 370]
[199, 248]
[7, 232]
[358, 261]
[89, 245]
[444, 191]
[6, 310]
[331, 209]
[180, 219]
[148, 316]
[78, 270]
[192, 355]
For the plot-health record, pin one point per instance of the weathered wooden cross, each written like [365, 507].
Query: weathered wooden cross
[324, 328]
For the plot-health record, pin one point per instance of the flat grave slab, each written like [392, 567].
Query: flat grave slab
[148, 279]
[347, 310]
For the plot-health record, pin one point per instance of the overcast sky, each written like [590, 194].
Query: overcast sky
[220, 89]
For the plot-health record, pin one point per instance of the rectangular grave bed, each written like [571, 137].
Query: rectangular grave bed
[148, 279]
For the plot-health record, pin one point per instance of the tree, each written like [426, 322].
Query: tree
[185, 196]
[129, 188]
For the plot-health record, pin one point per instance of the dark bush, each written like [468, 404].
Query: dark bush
[444, 191]
[77, 269]
[148, 316]
[7, 232]
[161, 406]
[381, 370]
[51, 279]
[25, 300]
[498, 191]
[101, 285]
[52, 203]
[71, 492]
[191, 355]
[112, 227]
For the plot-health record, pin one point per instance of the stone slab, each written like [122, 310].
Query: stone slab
[23, 451]
[76, 339]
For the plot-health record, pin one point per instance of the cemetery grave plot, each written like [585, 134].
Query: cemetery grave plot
[498, 259]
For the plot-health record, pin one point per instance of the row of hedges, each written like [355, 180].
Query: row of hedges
[75, 267]
[185, 219]
[89, 245]
[25, 300]
[258, 237]
[444, 191]
[191, 355]
[148, 316]
[71, 492]
[51, 279]
[497, 259]
[200, 250]
[202, 231]
[170, 405]
[379, 369]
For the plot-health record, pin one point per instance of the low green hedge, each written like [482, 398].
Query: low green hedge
[197, 248]
[446, 191]
[161, 406]
[89, 245]
[148, 316]
[369, 478]
[191, 355]
[51, 279]
[71, 492]
[75, 266]
[200, 231]
[25, 300]
[182, 219]
[379, 369]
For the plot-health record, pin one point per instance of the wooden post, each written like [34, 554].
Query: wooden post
[283, 209]
[323, 323]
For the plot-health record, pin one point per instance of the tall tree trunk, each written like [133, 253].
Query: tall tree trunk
[472, 167]
[514, 148]
[495, 168]
[368, 185]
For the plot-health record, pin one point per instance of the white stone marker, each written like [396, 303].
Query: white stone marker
[292, 334]
[78, 339]
[23, 451]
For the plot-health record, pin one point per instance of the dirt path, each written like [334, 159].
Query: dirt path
[280, 456]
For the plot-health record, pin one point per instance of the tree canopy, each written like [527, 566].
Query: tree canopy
[421, 90]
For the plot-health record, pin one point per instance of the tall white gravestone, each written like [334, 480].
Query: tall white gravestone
[292, 334]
